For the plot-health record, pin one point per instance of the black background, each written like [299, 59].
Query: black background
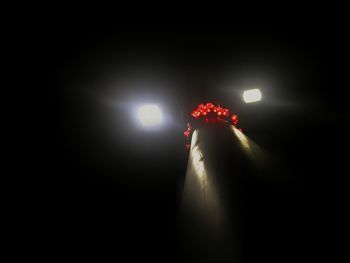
[112, 189]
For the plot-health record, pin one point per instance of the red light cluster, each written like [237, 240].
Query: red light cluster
[203, 110]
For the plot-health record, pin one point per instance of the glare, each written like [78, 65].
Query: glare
[252, 95]
[149, 115]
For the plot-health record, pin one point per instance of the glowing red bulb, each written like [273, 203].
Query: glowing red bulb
[209, 105]
[234, 119]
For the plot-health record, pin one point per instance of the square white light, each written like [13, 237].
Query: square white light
[252, 95]
[149, 115]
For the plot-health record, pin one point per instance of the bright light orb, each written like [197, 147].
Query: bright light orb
[252, 95]
[149, 115]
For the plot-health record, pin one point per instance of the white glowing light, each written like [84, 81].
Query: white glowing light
[149, 115]
[252, 95]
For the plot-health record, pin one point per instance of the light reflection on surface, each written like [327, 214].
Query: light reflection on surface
[251, 149]
[200, 193]
[197, 157]
[242, 138]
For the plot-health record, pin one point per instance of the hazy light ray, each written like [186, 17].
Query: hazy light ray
[200, 191]
[197, 156]
[242, 138]
[251, 149]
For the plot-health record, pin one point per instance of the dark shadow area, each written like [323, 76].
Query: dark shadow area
[112, 189]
